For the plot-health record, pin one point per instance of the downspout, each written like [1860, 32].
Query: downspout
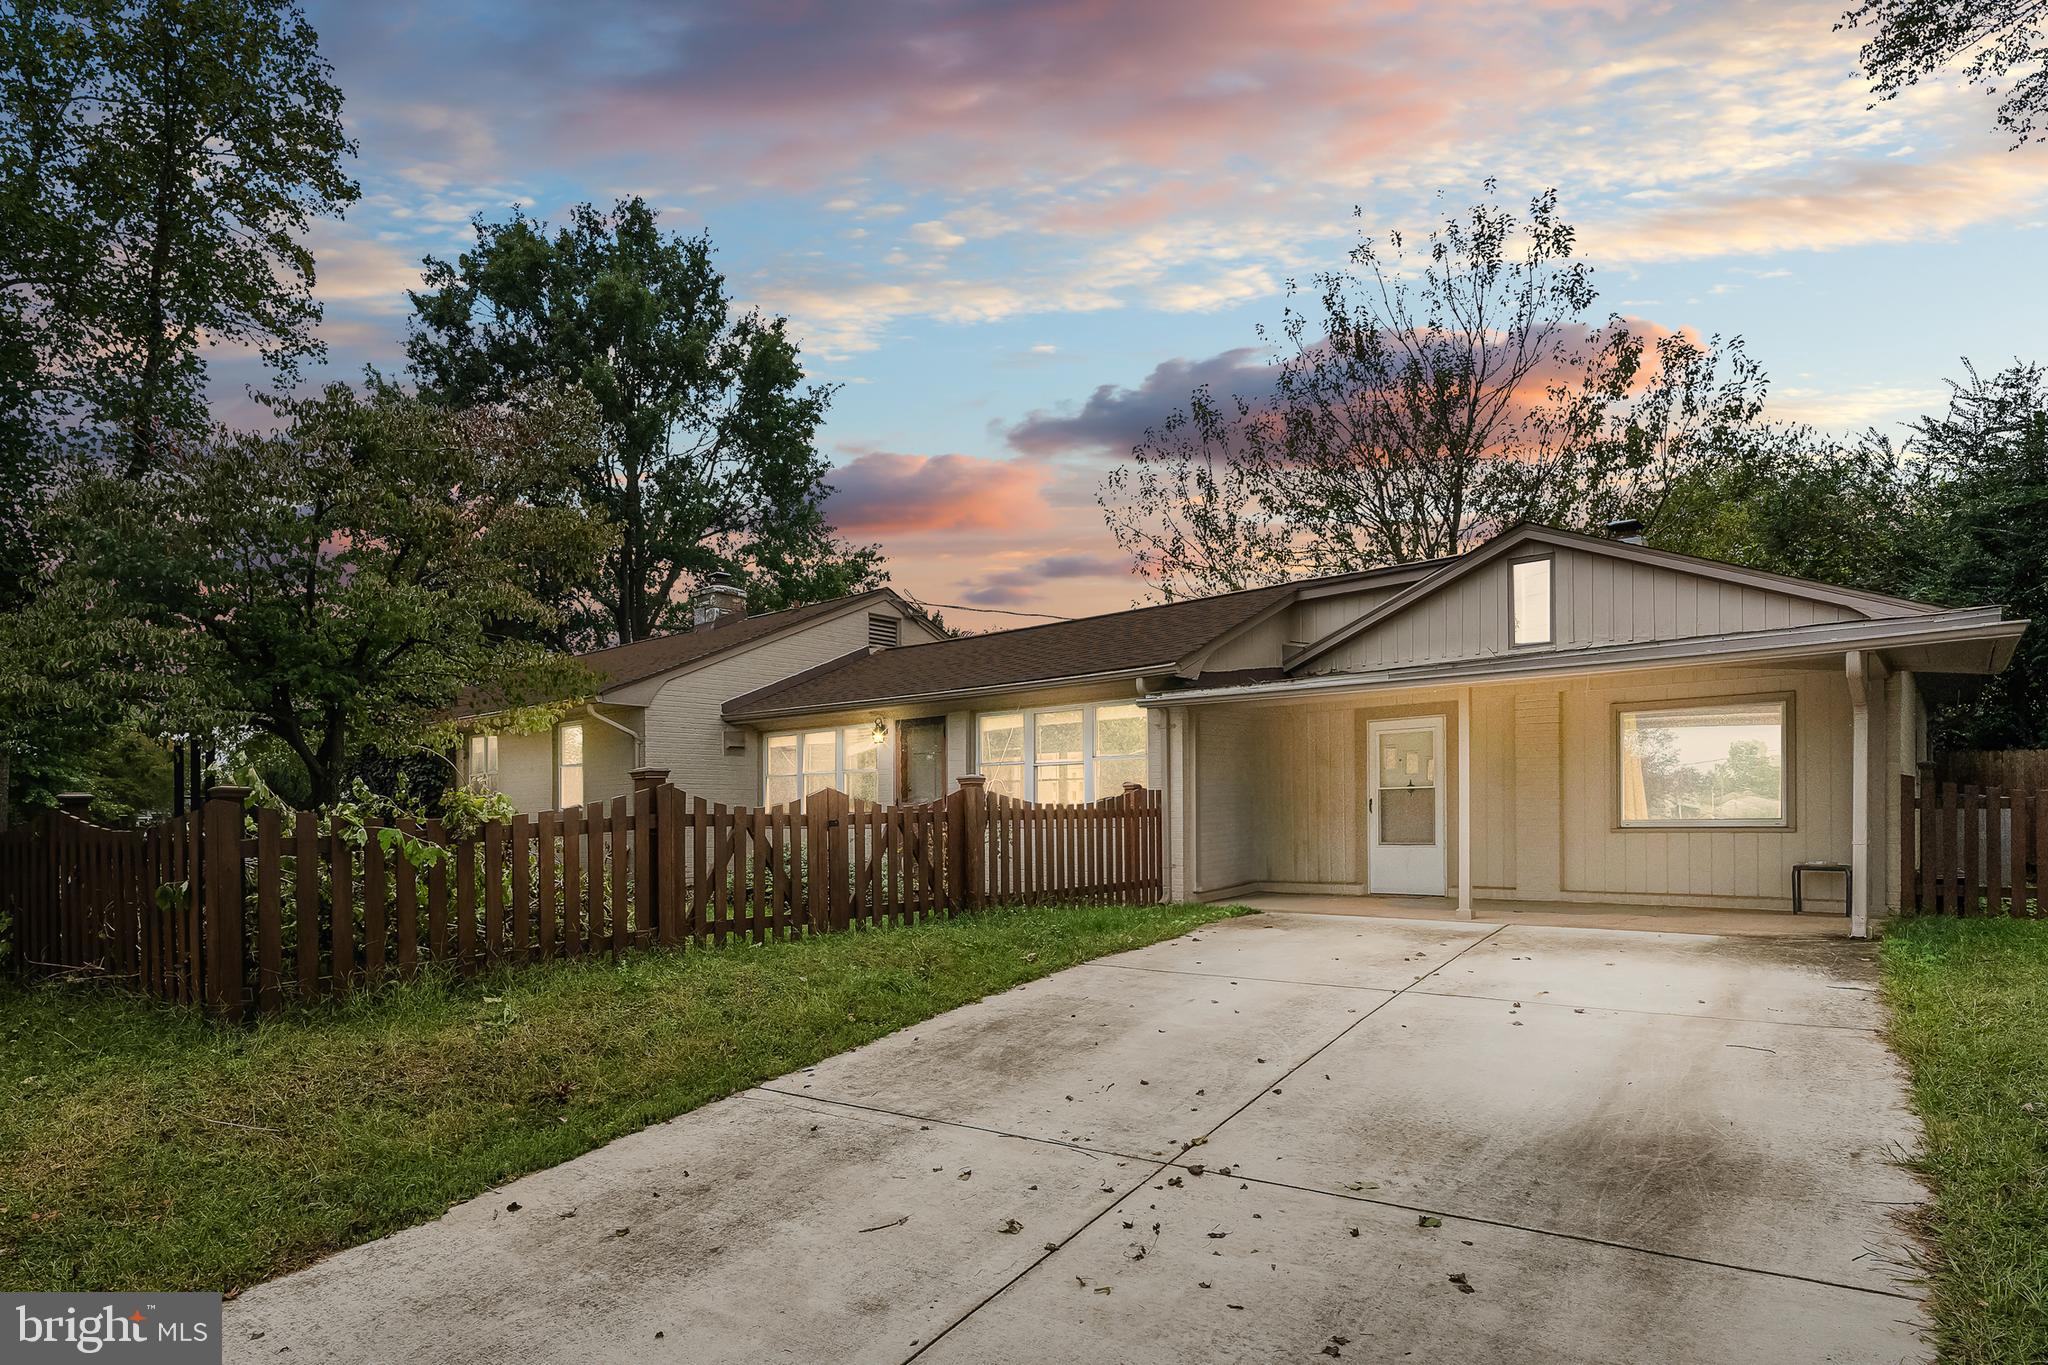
[639, 744]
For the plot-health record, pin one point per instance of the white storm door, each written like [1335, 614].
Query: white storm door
[1405, 807]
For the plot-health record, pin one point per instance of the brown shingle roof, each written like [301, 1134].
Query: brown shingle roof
[1121, 642]
[621, 665]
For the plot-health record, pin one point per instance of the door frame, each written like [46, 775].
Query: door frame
[1434, 723]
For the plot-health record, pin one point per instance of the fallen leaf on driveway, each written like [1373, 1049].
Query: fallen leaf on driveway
[1012, 1225]
[1464, 1287]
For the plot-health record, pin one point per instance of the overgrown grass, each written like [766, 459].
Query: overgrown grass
[142, 1148]
[1970, 1016]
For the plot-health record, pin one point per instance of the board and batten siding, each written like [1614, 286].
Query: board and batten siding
[1598, 600]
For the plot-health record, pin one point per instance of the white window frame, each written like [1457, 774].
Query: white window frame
[1549, 635]
[1787, 730]
[1089, 755]
[582, 764]
[839, 769]
[488, 771]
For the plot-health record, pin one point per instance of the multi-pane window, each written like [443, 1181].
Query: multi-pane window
[846, 759]
[569, 766]
[1064, 754]
[1530, 582]
[1703, 765]
[483, 759]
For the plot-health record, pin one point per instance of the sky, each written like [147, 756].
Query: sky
[1016, 234]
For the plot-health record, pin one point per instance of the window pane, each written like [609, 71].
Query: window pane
[1532, 602]
[476, 755]
[572, 786]
[861, 750]
[1059, 783]
[1704, 764]
[1112, 773]
[1057, 735]
[1004, 779]
[821, 753]
[817, 782]
[781, 789]
[1407, 759]
[1407, 815]
[1119, 730]
[782, 754]
[864, 786]
[491, 753]
[572, 745]
[1002, 740]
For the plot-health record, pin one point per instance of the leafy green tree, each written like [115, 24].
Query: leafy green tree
[1983, 537]
[340, 583]
[1437, 390]
[160, 164]
[709, 459]
[2001, 44]
[1795, 501]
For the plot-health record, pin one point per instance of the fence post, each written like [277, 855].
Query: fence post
[647, 837]
[221, 908]
[77, 805]
[1134, 841]
[973, 827]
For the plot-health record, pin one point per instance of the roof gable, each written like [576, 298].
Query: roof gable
[1605, 592]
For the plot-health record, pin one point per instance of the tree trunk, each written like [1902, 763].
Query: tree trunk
[6, 780]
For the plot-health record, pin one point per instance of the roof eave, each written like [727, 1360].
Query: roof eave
[1973, 624]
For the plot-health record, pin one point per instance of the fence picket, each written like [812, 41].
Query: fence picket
[655, 866]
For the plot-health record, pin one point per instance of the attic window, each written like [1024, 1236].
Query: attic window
[1531, 584]
[885, 632]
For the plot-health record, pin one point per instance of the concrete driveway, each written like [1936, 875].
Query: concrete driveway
[1288, 1137]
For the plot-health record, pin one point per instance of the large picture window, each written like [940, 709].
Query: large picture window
[847, 759]
[1704, 765]
[1063, 754]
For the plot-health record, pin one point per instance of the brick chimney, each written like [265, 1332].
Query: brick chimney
[718, 603]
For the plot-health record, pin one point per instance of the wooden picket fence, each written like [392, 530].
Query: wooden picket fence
[1971, 850]
[236, 911]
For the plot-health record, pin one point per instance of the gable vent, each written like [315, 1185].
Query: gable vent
[884, 632]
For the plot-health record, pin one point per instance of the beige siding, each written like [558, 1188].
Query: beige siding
[1228, 854]
[1598, 600]
[526, 770]
[1747, 865]
[685, 721]
[1544, 792]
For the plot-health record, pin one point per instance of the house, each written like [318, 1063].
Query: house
[1551, 716]
[657, 702]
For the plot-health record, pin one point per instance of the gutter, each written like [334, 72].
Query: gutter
[1970, 623]
[948, 694]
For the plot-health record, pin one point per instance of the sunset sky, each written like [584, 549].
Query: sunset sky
[1018, 233]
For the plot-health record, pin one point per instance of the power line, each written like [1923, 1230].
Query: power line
[999, 611]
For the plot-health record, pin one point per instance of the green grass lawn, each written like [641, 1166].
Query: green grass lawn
[1970, 1016]
[142, 1148]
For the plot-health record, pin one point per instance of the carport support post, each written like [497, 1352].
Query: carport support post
[1464, 803]
[1864, 671]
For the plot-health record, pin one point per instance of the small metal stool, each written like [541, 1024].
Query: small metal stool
[1799, 871]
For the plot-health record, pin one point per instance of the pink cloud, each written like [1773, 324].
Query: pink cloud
[884, 493]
